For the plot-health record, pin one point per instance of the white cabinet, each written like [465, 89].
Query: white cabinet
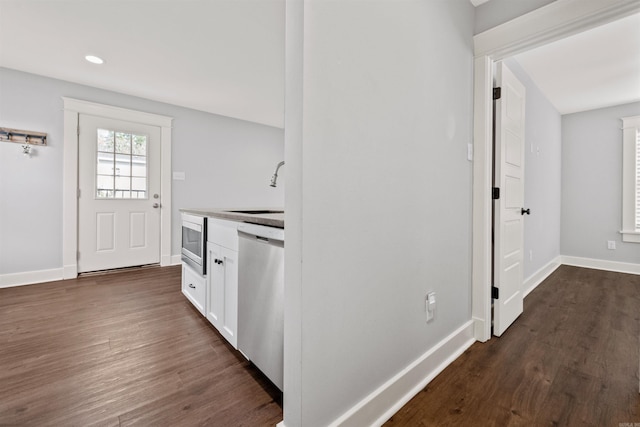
[222, 308]
[222, 278]
[194, 287]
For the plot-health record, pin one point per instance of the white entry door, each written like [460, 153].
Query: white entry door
[508, 208]
[119, 188]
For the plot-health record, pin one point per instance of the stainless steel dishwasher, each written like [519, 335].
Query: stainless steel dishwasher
[261, 298]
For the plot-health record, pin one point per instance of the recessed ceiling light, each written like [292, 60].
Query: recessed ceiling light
[94, 59]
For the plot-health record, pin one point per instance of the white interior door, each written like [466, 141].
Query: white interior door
[119, 188]
[508, 208]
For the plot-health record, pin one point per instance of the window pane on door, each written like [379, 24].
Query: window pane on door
[121, 165]
[105, 163]
[139, 145]
[123, 142]
[105, 140]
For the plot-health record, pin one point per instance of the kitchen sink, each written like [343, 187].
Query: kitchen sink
[257, 212]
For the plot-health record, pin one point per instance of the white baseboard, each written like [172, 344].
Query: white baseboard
[600, 264]
[30, 277]
[40, 276]
[380, 405]
[538, 277]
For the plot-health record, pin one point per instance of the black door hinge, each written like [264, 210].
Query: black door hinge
[495, 193]
[497, 93]
[495, 293]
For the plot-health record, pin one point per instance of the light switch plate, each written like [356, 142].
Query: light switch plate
[430, 306]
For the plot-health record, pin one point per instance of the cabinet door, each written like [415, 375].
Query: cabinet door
[222, 309]
[215, 278]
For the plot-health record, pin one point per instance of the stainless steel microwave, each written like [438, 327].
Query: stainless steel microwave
[194, 240]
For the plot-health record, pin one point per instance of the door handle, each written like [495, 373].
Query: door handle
[156, 205]
[192, 286]
[525, 211]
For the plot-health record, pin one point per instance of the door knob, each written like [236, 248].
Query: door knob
[156, 196]
[156, 205]
[525, 211]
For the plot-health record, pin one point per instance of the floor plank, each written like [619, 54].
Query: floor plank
[122, 349]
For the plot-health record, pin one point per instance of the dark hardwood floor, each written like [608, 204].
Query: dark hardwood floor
[122, 349]
[128, 349]
[571, 359]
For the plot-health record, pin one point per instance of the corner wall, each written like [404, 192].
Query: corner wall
[385, 198]
[592, 185]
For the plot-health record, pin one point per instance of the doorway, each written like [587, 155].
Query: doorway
[102, 235]
[550, 23]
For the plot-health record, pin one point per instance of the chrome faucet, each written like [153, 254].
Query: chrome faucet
[274, 178]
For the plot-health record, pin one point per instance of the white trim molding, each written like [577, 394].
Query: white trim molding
[555, 21]
[630, 129]
[380, 405]
[539, 276]
[601, 264]
[482, 198]
[72, 110]
[630, 236]
[30, 277]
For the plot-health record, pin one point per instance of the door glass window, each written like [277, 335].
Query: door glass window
[121, 165]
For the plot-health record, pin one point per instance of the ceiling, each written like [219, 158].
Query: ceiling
[224, 57]
[227, 56]
[594, 69]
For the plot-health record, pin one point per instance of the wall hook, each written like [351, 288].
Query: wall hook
[23, 136]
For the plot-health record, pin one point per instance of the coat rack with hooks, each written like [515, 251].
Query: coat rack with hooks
[23, 136]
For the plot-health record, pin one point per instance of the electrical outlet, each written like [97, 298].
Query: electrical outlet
[430, 304]
[611, 244]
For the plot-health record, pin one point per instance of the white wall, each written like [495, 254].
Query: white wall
[228, 162]
[496, 12]
[592, 184]
[292, 398]
[543, 176]
[385, 196]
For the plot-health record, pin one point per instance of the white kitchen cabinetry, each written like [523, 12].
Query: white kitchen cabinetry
[222, 278]
[194, 287]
